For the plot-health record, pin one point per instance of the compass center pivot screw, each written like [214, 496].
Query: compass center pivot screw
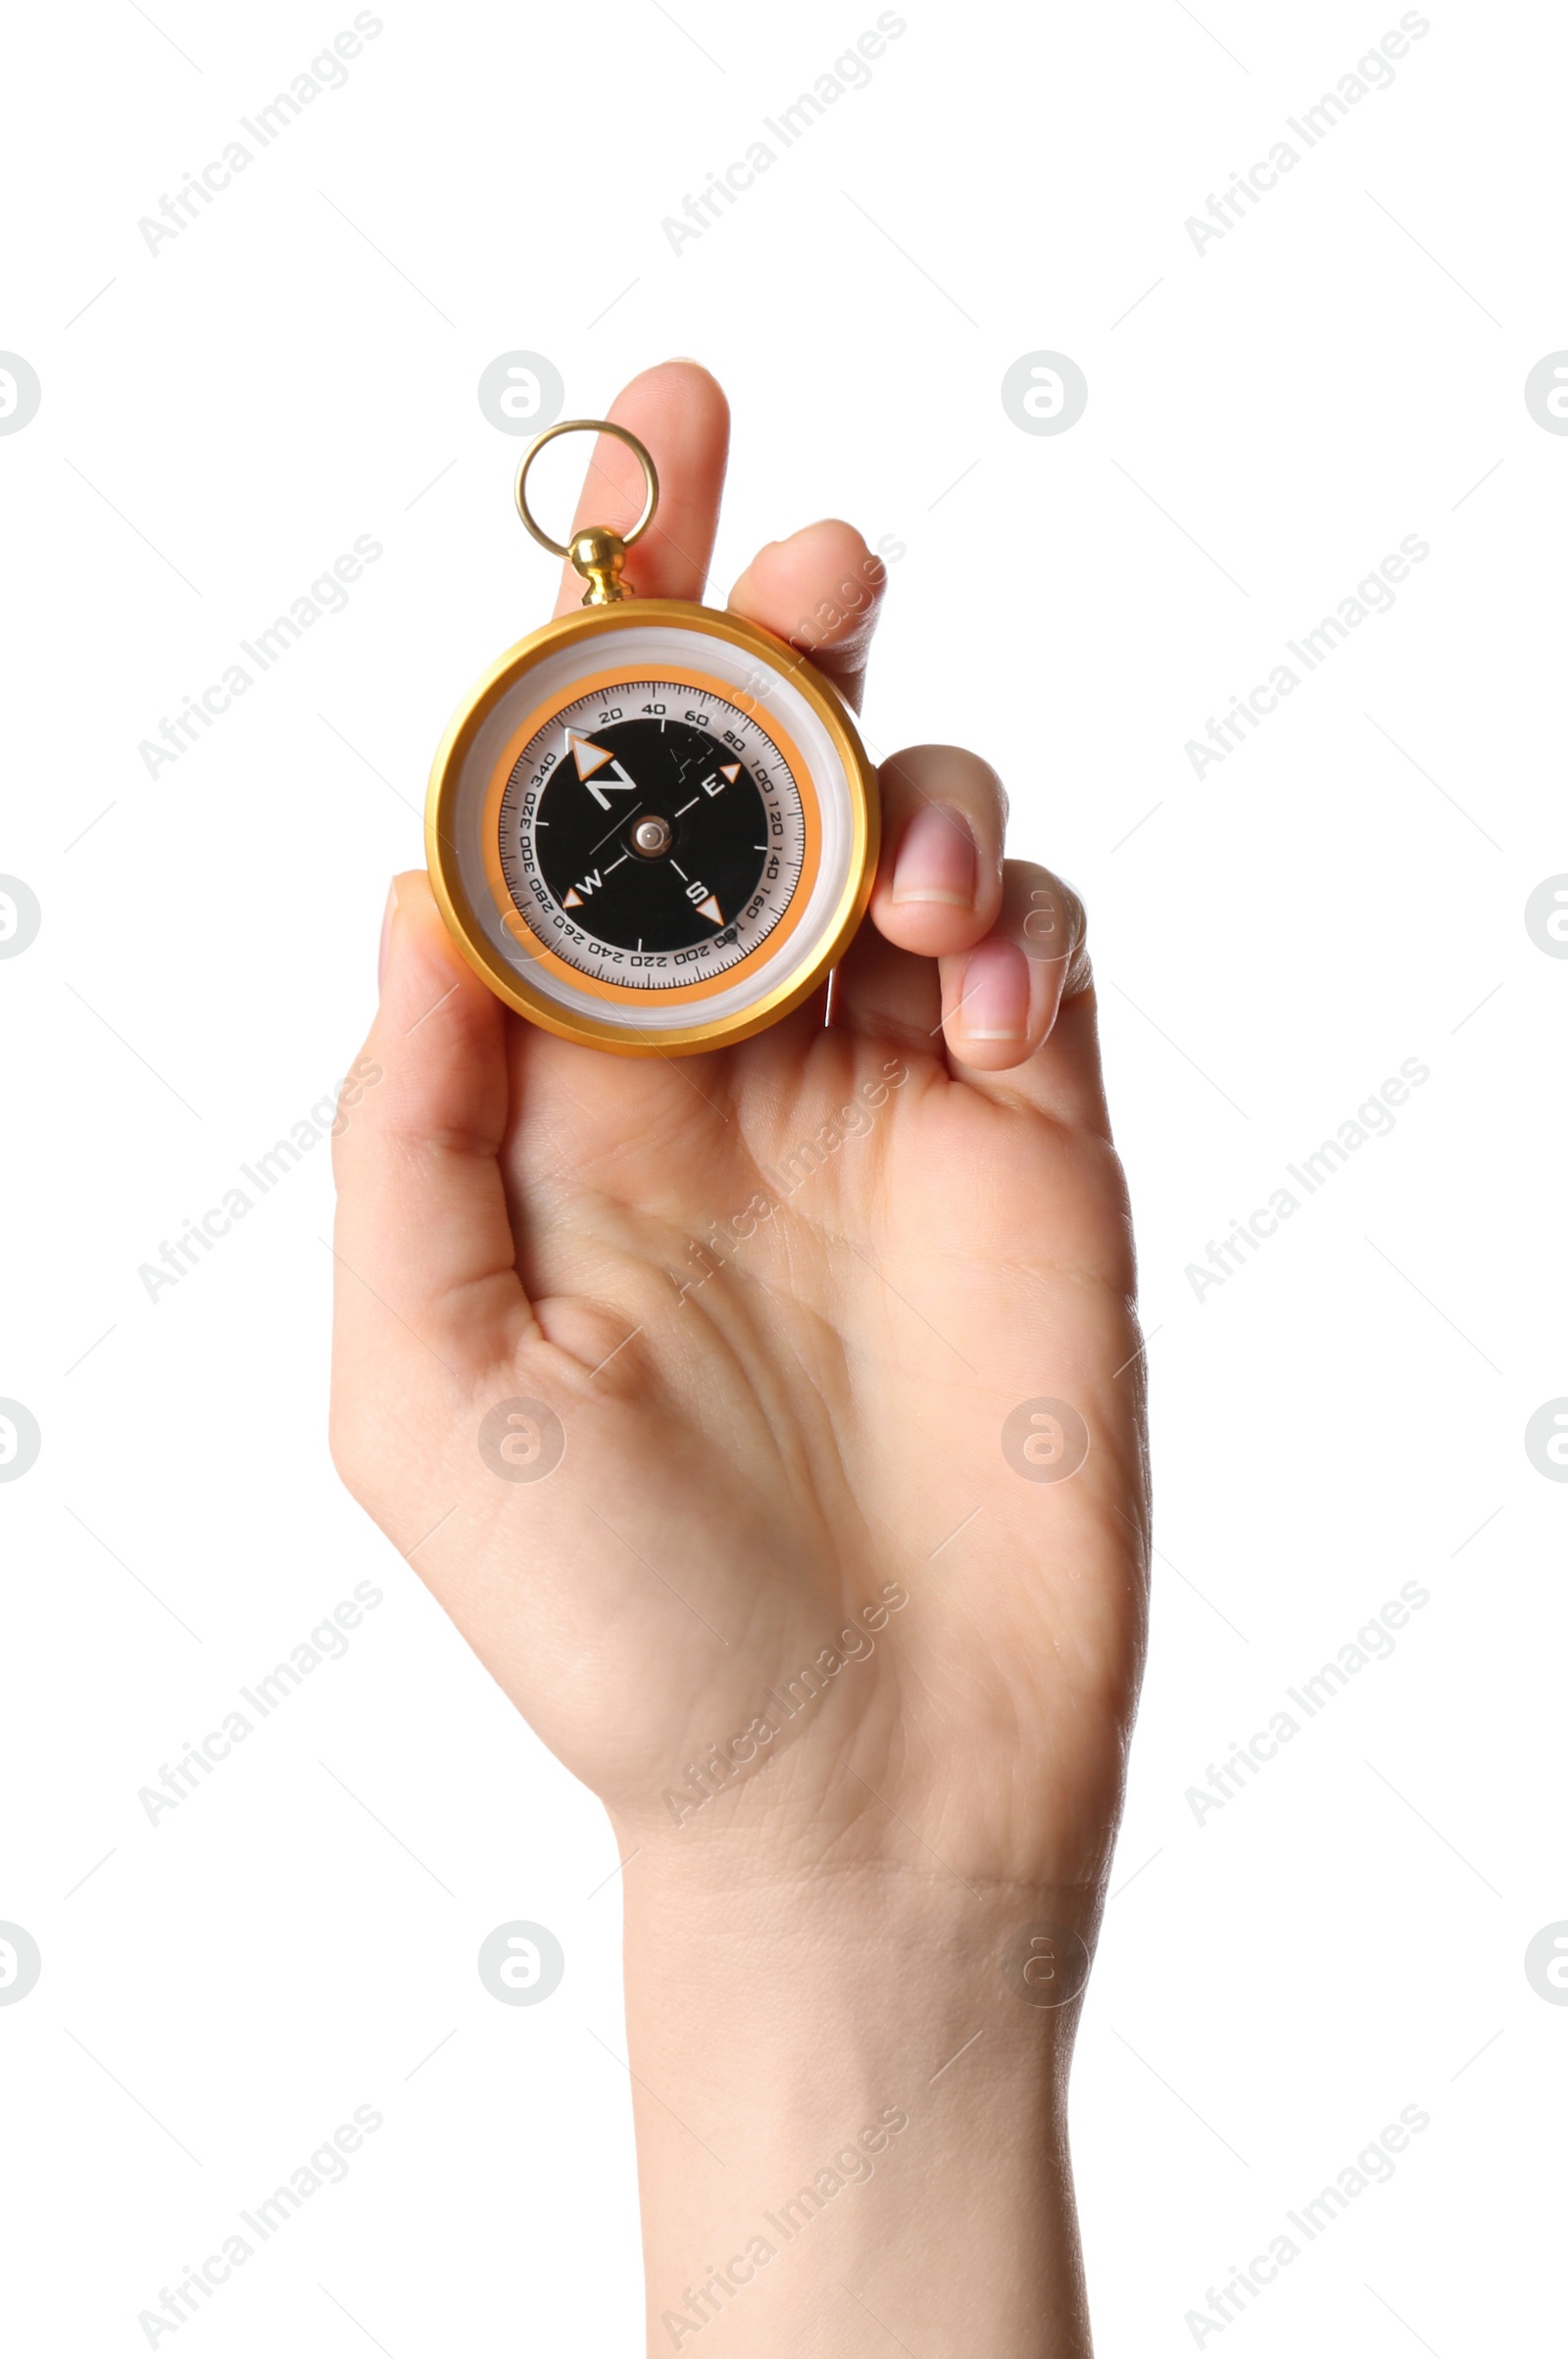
[650, 837]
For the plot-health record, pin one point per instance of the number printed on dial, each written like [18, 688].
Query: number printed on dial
[650, 833]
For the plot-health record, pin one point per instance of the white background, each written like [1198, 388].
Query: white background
[1344, 368]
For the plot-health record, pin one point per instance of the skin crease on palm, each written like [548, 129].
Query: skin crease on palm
[749, 1466]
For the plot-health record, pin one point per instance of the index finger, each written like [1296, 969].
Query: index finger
[681, 413]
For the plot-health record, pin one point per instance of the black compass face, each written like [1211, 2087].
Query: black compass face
[669, 847]
[652, 833]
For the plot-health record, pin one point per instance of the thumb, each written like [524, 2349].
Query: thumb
[424, 1245]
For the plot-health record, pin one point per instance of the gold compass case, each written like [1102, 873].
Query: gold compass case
[809, 779]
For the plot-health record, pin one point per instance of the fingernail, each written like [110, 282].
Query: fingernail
[936, 859]
[993, 1002]
[387, 915]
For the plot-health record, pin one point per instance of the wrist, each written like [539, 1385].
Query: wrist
[851, 2098]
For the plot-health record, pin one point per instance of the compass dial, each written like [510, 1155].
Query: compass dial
[652, 833]
[652, 827]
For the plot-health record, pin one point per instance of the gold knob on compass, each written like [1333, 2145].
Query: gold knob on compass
[597, 553]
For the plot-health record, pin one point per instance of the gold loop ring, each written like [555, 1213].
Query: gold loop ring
[588, 425]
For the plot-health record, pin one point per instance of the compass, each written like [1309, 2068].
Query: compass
[652, 827]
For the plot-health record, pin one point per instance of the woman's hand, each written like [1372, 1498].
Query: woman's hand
[708, 1396]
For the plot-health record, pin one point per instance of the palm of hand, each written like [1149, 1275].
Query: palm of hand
[783, 1585]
